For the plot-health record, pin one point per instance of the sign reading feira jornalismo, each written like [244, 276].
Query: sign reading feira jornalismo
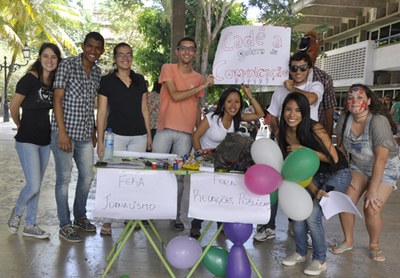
[257, 55]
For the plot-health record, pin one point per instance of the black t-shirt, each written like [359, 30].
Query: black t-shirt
[35, 121]
[125, 103]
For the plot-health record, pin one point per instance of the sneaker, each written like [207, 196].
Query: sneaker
[309, 240]
[315, 268]
[294, 259]
[177, 224]
[69, 234]
[263, 233]
[14, 222]
[35, 231]
[84, 224]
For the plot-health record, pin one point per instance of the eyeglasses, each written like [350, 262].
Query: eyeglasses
[186, 48]
[302, 68]
[123, 55]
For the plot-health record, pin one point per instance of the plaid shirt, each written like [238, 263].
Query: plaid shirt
[79, 97]
[328, 100]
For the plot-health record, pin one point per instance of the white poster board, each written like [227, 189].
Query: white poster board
[225, 198]
[135, 194]
[256, 55]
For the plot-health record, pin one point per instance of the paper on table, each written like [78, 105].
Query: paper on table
[337, 202]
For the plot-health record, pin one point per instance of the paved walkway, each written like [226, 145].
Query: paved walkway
[27, 257]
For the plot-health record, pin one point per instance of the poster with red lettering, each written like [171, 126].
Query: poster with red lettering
[255, 55]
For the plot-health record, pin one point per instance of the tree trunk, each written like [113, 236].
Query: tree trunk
[177, 26]
[198, 34]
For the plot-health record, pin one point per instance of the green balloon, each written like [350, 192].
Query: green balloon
[274, 197]
[300, 165]
[215, 261]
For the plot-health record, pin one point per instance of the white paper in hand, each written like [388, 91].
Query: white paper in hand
[337, 202]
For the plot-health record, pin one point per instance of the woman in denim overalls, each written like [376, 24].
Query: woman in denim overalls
[297, 130]
[366, 133]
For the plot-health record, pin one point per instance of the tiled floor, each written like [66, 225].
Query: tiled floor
[27, 257]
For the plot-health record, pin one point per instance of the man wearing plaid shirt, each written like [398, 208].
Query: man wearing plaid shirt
[76, 84]
[310, 44]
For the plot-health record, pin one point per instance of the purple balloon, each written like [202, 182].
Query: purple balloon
[238, 233]
[183, 252]
[238, 265]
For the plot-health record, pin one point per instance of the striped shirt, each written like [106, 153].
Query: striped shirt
[79, 97]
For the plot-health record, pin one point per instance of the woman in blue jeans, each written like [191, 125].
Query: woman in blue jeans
[297, 130]
[34, 95]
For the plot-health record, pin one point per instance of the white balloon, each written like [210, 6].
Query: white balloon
[266, 151]
[294, 201]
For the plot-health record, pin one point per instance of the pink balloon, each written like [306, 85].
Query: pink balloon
[262, 179]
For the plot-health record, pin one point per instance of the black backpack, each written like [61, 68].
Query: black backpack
[234, 153]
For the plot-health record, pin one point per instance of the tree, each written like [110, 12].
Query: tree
[156, 43]
[279, 13]
[34, 21]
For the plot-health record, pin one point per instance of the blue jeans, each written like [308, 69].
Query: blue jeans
[130, 143]
[176, 142]
[83, 155]
[34, 160]
[337, 182]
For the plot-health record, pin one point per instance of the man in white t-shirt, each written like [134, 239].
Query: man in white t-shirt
[300, 66]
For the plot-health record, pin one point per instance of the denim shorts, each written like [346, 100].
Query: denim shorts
[338, 181]
[390, 174]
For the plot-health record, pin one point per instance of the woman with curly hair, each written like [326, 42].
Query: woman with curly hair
[122, 96]
[365, 132]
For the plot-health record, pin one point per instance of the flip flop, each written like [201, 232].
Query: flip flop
[339, 249]
[377, 255]
[106, 231]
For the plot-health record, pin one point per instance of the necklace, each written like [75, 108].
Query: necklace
[360, 118]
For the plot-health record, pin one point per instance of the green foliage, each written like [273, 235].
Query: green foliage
[279, 13]
[154, 51]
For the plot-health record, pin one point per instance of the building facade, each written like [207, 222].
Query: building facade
[361, 42]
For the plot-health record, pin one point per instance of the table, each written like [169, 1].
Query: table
[114, 176]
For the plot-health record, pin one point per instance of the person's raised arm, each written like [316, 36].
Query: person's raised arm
[311, 96]
[181, 95]
[274, 124]
[201, 129]
[258, 111]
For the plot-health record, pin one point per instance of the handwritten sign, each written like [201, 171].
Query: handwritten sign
[257, 55]
[135, 194]
[225, 198]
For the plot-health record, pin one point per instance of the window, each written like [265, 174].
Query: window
[374, 35]
[395, 31]
[384, 33]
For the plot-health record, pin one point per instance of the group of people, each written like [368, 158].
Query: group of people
[364, 163]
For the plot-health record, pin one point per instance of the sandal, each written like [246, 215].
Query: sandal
[339, 248]
[375, 253]
[106, 229]
[195, 233]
